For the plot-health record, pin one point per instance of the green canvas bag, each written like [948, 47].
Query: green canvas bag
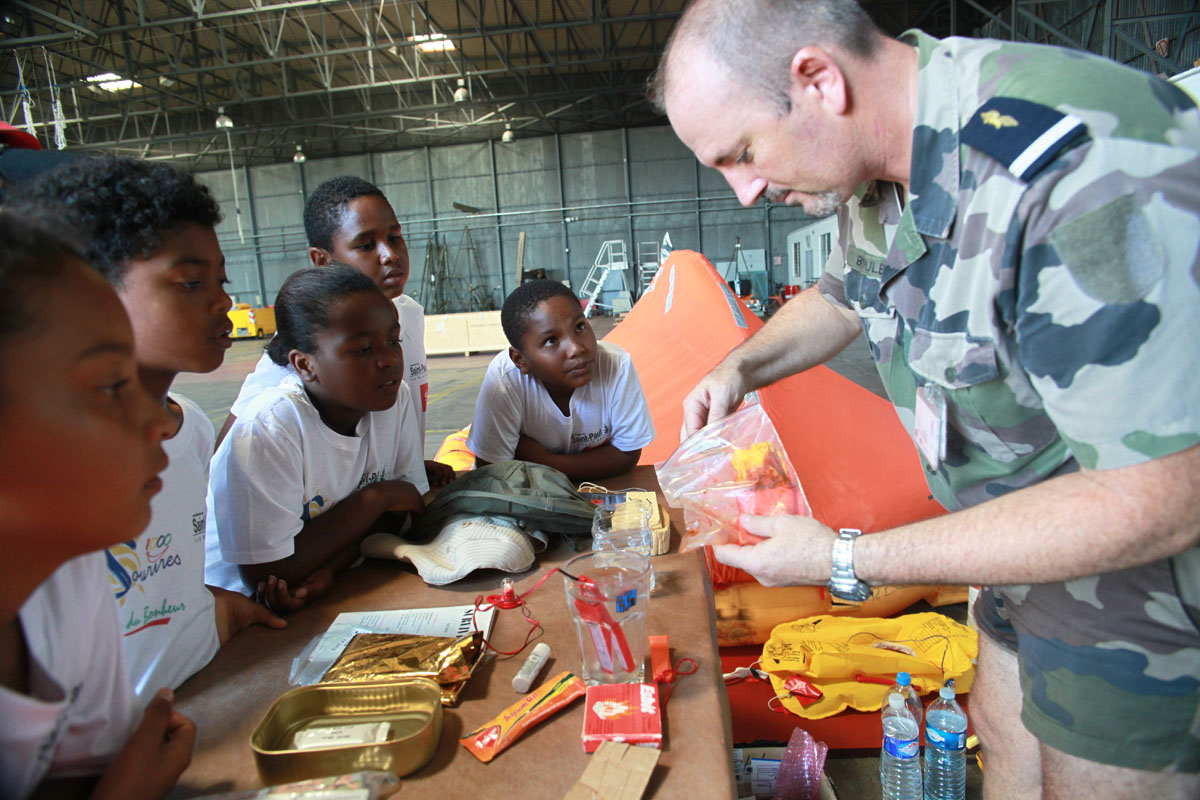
[540, 496]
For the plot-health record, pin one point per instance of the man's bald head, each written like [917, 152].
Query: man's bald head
[754, 40]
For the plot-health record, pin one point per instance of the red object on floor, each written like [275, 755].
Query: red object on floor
[753, 721]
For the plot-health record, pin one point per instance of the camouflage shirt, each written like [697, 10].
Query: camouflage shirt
[1053, 299]
[1043, 273]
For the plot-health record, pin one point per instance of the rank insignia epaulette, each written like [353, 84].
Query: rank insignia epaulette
[1021, 135]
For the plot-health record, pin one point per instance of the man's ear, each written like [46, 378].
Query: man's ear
[319, 256]
[815, 72]
[519, 360]
[304, 364]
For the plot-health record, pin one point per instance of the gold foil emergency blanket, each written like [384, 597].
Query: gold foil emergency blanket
[388, 656]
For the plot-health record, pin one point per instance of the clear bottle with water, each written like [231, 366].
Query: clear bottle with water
[903, 686]
[899, 760]
[945, 748]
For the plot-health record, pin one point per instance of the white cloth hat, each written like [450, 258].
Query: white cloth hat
[466, 543]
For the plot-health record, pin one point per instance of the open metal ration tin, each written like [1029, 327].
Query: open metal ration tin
[411, 709]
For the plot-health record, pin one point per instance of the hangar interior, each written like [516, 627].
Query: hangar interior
[480, 120]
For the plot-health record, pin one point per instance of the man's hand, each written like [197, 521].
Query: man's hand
[718, 394]
[235, 611]
[275, 594]
[798, 551]
[439, 474]
[156, 754]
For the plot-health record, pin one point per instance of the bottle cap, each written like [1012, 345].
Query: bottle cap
[946, 693]
[903, 678]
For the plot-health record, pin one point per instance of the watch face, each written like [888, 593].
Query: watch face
[855, 592]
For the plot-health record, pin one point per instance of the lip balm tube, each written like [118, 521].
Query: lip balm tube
[532, 666]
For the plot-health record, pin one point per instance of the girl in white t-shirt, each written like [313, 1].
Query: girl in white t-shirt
[80, 452]
[349, 221]
[326, 457]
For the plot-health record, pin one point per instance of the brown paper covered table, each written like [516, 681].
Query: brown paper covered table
[227, 698]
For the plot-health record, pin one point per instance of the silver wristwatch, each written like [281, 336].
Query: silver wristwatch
[843, 583]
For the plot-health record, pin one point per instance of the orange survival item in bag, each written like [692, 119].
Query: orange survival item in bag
[486, 742]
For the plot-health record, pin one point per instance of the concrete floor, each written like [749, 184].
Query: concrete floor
[453, 386]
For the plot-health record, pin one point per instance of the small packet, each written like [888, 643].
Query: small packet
[320, 736]
[622, 712]
[488, 741]
[365, 785]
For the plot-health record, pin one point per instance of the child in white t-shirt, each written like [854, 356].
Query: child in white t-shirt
[348, 221]
[148, 228]
[327, 457]
[80, 449]
[556, 397]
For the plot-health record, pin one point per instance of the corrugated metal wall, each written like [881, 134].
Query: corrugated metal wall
[1125, 30]
[569, 194]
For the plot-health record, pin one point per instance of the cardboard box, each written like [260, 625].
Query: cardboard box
[622, 712]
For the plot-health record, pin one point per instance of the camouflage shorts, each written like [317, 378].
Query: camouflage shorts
[1109, 665]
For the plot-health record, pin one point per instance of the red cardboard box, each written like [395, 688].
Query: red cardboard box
[622, 712]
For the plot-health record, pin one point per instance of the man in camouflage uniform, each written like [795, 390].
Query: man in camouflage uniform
[1019, 239]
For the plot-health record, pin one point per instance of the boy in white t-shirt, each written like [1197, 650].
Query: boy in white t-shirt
[325, 458]
[80, 449]
[149, 229]
[557, 397]
[348, 221]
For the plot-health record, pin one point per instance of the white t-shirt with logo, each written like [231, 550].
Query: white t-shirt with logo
[164, 610]
[267, 374]
[281, 466]
[81, 707]
[611, 409]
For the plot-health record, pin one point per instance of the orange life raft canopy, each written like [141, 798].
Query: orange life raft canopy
[857, 464]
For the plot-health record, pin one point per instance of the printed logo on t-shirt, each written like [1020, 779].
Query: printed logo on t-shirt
[416, 372]
[371, 477]
[589, 441]
[125, 564]
[198, 524]
[313, 508]
[127, 573]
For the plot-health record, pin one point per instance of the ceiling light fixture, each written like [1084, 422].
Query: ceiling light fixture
[299, 156]
[432, 42]
[461, 95]
[224, 123]
[112, 82]
[508, 134]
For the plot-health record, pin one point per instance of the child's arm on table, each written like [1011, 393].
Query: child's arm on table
[235, 611]
[324, 542]
[599, 462]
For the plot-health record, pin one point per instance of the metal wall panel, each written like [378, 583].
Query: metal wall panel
[658, 189]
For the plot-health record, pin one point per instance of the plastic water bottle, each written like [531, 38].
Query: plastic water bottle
[903, 686]
[945, 748]
[899, 760]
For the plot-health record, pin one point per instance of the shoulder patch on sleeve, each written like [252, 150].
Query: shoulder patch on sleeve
[1021, 135]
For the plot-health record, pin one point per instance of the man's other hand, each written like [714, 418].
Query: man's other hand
[798, 551]
[718, 394]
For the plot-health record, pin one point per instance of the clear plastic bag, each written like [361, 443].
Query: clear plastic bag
[734, 466]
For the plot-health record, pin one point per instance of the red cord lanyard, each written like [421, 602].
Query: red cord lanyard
[506, 600]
